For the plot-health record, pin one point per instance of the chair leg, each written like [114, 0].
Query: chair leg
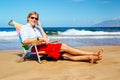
[22, 58]
[39, 60]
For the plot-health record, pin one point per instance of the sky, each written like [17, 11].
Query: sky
[60, 13]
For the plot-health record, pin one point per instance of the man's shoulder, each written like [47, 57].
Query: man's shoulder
[25, 26]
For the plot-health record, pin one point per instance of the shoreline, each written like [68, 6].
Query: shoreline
[74, 42]
[106, 69]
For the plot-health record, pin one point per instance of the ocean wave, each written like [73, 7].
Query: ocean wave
[8, 35]
[84, 32]
[71, 33]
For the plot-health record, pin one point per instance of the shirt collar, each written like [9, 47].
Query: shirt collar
[29, 25]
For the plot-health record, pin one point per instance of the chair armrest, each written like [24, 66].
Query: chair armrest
[53, 41]
[35, 42]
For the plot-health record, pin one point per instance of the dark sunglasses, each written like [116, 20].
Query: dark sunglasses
[34, 18]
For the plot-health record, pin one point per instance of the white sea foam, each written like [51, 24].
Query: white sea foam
[83, 32]
[8, 35]
[71, 33]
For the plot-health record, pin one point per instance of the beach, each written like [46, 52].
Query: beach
[106, 69]
[88, 39]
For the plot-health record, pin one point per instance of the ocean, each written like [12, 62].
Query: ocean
[73, 36]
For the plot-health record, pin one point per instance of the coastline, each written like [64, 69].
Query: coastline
[106, 69]
[73, 36]
[74, 42]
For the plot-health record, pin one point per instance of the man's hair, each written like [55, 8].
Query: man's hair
[32, 13]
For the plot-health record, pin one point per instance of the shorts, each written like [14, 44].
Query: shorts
[52, 50]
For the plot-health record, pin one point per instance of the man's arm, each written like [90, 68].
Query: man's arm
[43, 32]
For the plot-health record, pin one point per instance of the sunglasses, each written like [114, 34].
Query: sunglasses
[34, 18]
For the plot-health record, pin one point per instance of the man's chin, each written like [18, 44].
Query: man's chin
[33, 24]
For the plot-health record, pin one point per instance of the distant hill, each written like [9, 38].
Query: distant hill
[109, 23]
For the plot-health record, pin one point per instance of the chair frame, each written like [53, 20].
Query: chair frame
[15, 24]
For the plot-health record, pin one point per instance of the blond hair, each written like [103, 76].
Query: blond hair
[32, 13]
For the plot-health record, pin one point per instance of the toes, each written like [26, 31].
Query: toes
[93, 59]
[100, 54]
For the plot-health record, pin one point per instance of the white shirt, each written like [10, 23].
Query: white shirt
[28, 32]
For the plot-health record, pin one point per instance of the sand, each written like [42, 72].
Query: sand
[106, 69]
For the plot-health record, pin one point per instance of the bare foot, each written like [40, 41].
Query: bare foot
[93, 59]
[100, 52]
[96, 57]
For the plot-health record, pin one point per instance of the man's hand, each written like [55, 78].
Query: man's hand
[39, 24]
[46, 40]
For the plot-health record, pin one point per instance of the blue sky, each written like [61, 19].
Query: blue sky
[58, 13]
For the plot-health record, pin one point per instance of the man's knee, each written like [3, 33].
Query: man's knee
[64, 46]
